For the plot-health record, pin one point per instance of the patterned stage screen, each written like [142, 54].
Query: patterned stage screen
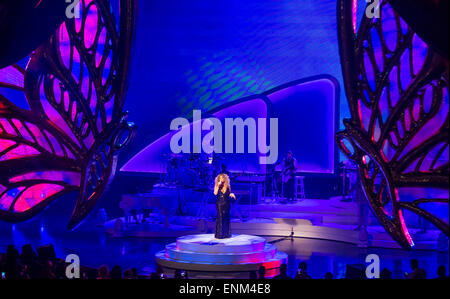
[202, 54]
[301, 114]
[307, 117]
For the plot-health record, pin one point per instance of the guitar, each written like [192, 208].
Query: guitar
[288, 173]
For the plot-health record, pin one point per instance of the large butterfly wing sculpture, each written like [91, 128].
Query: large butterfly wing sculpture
[67, 135]
[398, 134]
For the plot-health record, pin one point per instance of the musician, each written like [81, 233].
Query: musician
[288, 172]
[222, 190]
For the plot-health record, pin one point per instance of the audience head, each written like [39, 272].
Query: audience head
[177, 274]
[135, 273]
[27, 254]
[11, 253]
[302, 266]
[103, 272]
[385, 274]
[60, 269]
[128, 274]
[116, 272]
[28, 260]
[91, 274]
[441, 271]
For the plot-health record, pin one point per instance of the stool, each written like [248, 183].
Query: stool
[299, 187]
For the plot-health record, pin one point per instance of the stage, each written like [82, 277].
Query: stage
[96, 248]
[132, 133]
[325, 219]
[204, 256]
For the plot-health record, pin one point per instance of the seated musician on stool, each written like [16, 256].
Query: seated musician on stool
[288, 175]
[222, 190]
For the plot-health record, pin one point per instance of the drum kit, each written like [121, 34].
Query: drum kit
[195, 171]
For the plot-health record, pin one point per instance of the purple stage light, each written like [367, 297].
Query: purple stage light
[152, 158]
[306, 113]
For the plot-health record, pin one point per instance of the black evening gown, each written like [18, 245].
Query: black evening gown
[223, 215]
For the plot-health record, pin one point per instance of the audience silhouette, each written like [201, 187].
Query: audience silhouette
[31, 265]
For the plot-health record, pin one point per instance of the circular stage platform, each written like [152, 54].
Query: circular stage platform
[205, 256]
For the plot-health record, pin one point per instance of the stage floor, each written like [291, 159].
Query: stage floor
[331, 219]
[96, 248]
[204, 256]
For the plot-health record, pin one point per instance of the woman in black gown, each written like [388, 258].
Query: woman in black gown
[223, 192]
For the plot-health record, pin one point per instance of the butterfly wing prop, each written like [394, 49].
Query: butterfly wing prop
[69, 136]
[398, 134]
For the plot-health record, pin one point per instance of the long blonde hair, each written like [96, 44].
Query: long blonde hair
[226, 182]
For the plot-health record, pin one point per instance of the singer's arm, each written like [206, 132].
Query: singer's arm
[216, 189]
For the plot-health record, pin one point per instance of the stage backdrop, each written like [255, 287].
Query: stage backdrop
[306, 116]
[201, 54]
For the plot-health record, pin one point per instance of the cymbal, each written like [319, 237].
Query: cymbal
[172, 155]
